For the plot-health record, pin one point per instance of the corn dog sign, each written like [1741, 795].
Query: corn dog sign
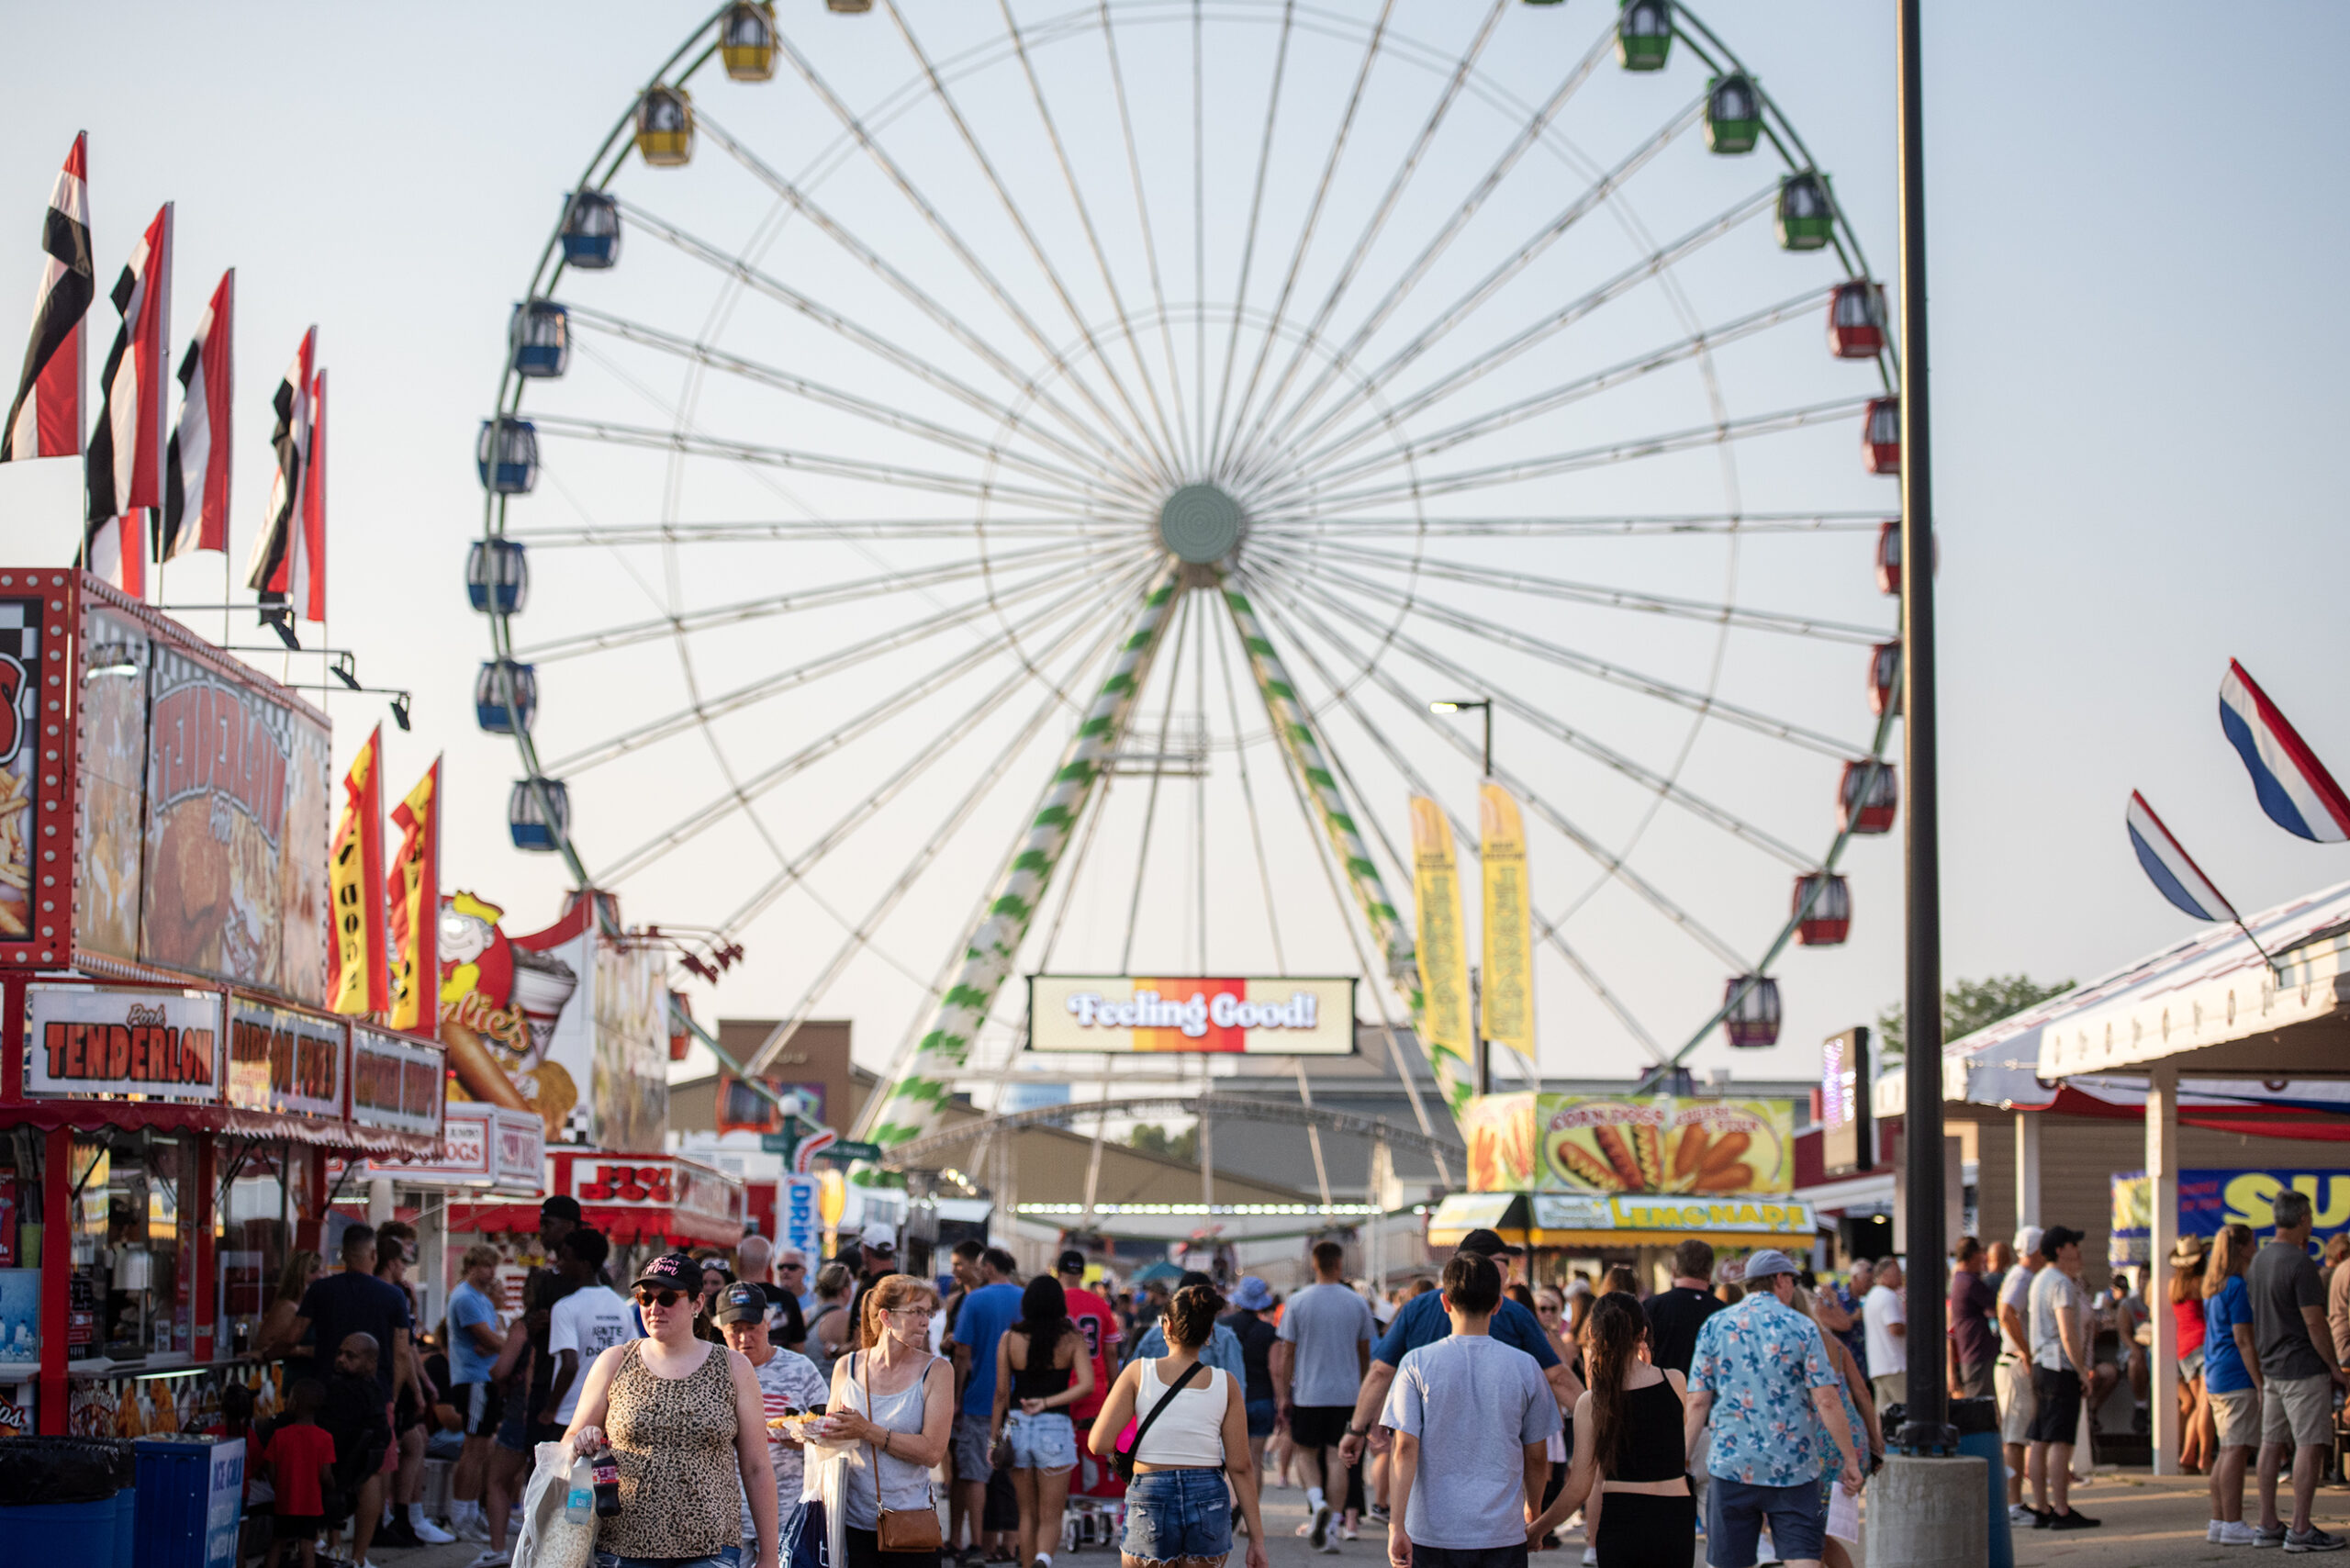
[1262, 1015]
[1564, 1143]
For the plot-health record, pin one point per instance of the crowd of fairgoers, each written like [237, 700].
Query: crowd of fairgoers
[747, 1410]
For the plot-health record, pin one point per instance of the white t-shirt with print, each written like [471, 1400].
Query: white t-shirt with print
[1888, 1351]
[788, 1382]
[589, 1321]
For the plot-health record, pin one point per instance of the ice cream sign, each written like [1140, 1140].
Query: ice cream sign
[1263, 1016]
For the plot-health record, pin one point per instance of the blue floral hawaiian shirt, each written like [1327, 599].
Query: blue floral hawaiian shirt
[1760, 1360]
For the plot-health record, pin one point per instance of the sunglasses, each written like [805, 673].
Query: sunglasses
[648, 1297]
[795, 1267]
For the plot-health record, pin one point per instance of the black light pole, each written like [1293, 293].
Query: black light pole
[1476, 1009]
[1927, 1429]
[1463, 704]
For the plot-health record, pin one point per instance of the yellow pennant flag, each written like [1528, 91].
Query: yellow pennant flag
[413, 892]
[1508, 995]
[355, 888]
[1444, 950]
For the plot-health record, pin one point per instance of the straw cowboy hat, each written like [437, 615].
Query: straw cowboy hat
[2190, 1249]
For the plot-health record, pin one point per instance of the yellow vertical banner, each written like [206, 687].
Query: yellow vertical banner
[1444, 950]
[358, 982]
[1508, 991]
[413, 891]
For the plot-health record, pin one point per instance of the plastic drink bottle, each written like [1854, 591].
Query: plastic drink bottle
[606, 1473]
[579, 1504]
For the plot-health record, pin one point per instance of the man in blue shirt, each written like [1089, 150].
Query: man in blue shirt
[1423, 1321]
[474, 1339]
[986, 1311]
[1222, 1352]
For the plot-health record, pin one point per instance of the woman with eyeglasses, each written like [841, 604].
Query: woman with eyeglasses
[1550, 1311]
[893, 1409]
[685, 1421]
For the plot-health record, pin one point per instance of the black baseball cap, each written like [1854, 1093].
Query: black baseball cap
[1071, 1262]
[560, 1207]
[2057, 1236]
[1489, 1244]
[742, 1302]
[676, 1270]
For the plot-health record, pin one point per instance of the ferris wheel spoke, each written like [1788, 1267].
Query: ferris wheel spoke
[1319, 527]
[621, 534]
[1188, 613]
[942, 744]
[1551, 466]
[1222, 452]
[945, 231]
[907, 580]
[1377, 223]
[1528, 137]
[831, 662]
[1256, 209]
[1741, 616]
[1375, 382]
[1613, 865]
[1581, 664]
[1174, 444]
[881, 413]
[1248, 800]
[898, 356]
[1704, 341]
[1192, 436]
[1566, 734]
[832, 465]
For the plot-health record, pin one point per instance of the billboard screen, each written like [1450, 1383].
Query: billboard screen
[1572, 1143]
[1261, 1015]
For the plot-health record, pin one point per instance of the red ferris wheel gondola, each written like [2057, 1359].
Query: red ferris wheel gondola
[1751, 1011]
[1885, 678]
[1866, 797]
[1856, 321]
[1823, 901]
[1881, 436]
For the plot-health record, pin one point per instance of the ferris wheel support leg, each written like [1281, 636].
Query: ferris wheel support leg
[1455, 1078]
[910, 1106]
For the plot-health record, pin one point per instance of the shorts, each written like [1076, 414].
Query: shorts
[298, 1527]
[481, 1406]
[1735, 1511]
[1000, 1509]
[1887, 1388]
[1639, 1531]
[2012, 1382]
[2190, 1365]
[865, 1552]
[1510, 1556]
[1974, 1379]
[1178, 1513]
[2238, 1414]
[392, 1450]
[1044, 1441]
[969, 1448]
[724, 1557]
[1263, 1416]
[514, 1427]
[2058, 1419]
[2299, 1407]
[1319, 1426]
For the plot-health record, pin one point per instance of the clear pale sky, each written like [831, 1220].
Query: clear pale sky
[2137, 336]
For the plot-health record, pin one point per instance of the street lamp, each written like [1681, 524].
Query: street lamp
[1461, 705]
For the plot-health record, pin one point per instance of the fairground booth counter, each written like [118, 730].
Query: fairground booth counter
[1586, 1183]
[172, 1086]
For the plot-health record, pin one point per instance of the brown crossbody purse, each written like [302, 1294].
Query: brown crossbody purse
[901, 1529]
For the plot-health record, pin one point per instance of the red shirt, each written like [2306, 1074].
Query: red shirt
[2189, 1315]
[1099, 1326]
[294, 1452]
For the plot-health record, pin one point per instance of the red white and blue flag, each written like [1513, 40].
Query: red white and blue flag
[45, 421]
[195, 488]
[2295, 790]
[2172, 869]
[124, 469]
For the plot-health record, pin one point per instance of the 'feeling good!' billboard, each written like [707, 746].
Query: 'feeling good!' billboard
[1263, 1016]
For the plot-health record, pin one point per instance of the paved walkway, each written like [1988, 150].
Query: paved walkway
[2146, 1521]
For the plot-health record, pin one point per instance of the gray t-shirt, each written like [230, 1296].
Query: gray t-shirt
[2282, 1281]
[1328, 1325]
[1474, 1404]
[2056, 1296]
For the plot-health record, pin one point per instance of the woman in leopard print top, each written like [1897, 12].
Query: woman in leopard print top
[684, 1418]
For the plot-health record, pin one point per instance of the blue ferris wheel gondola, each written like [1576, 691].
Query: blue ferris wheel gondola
[539, 829]
[505, 696]
[507, 455]
[498, 576]
[539, 339]
[591, 231]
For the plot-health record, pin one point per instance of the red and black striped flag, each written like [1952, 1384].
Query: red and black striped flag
[124, 469]
[271, 572]
[196, 482]
[45, 418]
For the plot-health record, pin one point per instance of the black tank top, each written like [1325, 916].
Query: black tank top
[1034, 1382]
[1652, 1447]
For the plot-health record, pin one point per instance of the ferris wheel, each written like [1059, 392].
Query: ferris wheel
[977, 489]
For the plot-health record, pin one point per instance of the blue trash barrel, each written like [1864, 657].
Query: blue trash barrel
[191, 1502]
[126, 1528]
[1977, 1421]
[60, 1496]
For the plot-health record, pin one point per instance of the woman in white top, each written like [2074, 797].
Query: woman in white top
[1178, 1512]
[892, 1408]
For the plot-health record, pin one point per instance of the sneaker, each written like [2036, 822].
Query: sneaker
[488, 1559]
[2235, 1532]
[2313, 1539]
[1376, 1513]
[472, 1525]
[1591, 1557]
[429, 1534]
[2072, 1520]
[2042, 1518]
[1348, 1533]
[969, 1557]
[2264, 1535]
[2215, 1531]
[397, 1532]
[1330, 1547]
[1319, 1535]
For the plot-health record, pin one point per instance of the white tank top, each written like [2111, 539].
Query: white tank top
[1190, 1431]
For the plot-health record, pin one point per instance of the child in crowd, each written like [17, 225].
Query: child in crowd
[301, 1461]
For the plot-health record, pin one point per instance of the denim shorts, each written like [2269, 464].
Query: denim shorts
[1263, 1416]
[1178, 1513]
[1045, 1442]
[1735, 1513]
[724, 1557]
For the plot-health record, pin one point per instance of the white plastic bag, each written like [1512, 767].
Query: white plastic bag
[2085, 1445]
[549, 1539]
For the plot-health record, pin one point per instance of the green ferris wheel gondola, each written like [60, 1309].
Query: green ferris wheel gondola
[1733, 113]
[1806, 212]
[1644, 34]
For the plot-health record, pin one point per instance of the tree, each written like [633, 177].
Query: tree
[1149, 1138]
[1967, 1005]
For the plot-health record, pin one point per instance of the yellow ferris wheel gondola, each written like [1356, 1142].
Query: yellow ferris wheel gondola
[746, 41]
[665, 127]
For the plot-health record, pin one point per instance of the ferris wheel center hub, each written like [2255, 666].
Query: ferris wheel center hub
[1200, 523]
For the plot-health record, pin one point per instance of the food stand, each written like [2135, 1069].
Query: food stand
[486, 1152]
[1622, 1181]
[170, 1084]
